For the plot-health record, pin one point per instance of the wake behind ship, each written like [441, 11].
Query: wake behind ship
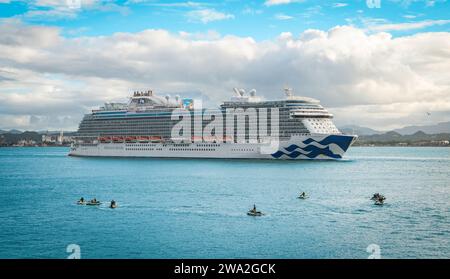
[244, 127]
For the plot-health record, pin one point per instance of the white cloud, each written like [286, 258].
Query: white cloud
[68, 9]
[280, 2]
[283, 17]
[339, 5]
[407, 26]
[174, 4]
[207, 15]
[427, 3]
[59, 3]
[49, 81]
[251, 11]
[312, 11]
[52, 14]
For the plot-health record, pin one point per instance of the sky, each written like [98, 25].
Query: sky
[377, 63]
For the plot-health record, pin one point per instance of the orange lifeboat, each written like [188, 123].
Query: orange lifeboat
[155, 138]
[197, 139]
[117, 139]
[142, 138]
[211, 139]
[227, 139]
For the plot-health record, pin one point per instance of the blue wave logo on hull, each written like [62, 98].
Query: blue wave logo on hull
[312, 151]
[342, 141]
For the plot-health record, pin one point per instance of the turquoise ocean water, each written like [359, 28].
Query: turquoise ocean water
[171, 208]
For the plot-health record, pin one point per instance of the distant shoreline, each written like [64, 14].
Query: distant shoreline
[52, 146]
[390, 145]
[353, 146]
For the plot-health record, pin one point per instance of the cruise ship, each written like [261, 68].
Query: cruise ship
[246, 126]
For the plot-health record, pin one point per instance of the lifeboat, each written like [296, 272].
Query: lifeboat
[156, 138]
[196, 139]
[227, 139]
[255, 213]
[142, 138]
[117, 139]
[211, 139]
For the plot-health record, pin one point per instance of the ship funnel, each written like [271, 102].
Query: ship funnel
[241, 92]
[253, 92]
[167, 97]
[177, 98]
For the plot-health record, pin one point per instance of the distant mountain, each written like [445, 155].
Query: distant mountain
[443, 127]
[358, 130]
[12, 138]
[14, 131]
[42, 132]
[386, 137]
[393, 137]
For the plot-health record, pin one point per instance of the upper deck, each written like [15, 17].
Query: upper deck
[149, 103]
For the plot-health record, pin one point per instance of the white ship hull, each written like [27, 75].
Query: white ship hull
[299, 147]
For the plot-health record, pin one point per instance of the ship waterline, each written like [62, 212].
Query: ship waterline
[245, 127]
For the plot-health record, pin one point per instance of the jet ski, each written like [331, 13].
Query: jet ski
[377, 196]
[379, 202]
[81, 201]
[93, 203]
[254, 213]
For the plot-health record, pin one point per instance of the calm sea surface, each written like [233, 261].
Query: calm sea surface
[170, 208]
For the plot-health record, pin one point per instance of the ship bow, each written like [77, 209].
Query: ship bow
[315, 147]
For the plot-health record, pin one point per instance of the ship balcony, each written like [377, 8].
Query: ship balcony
[309, 114]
